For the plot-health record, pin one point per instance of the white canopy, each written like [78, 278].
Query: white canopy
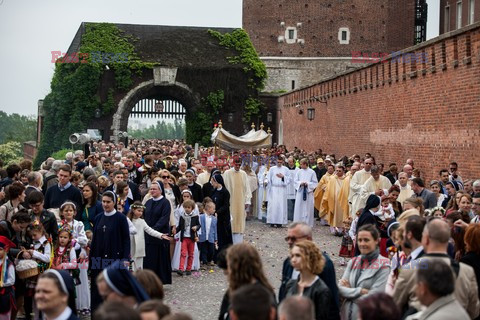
[251, 140]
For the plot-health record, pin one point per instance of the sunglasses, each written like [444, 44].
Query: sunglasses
[165, 177]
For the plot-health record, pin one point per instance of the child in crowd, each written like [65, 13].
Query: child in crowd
[353, 228]
[137, 241]
[208, 239]
[437, 212]
[187, 227]
[42, 253]
[7, 279]
[68, 211]
[346, 249]
[386, 211]
[65, 257]
[186, 195]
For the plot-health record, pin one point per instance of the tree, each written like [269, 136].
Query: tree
[161, 130]
[16, 127]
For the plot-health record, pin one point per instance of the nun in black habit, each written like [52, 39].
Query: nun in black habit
[157, 251]
[207, 188]
[367, 217]
[221, 197]
[110, 242]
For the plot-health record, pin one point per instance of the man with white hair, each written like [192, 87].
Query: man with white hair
[476, 186]
[376, 184]
[408, 169]
[51, 178]
[405, 189]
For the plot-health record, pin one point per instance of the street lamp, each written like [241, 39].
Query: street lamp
[269, 117]
[230, 117]
[311, 113]
[98, 113]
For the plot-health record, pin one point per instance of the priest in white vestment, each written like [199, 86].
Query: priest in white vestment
[305, 183]
[376, 184]
[278, 179]
[292, 170]
[236, 182]
[405, 188]
[356, 184]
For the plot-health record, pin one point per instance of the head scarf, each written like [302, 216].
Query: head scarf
[162, 188]
[67, 286]
[219, 179]
[120, 280]
[373, 201]
[106, 193]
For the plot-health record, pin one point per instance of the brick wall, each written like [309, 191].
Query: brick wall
[452, 5]
[375, 26]
[427, 110]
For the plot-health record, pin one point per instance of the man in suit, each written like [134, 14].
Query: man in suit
[435, 287]
[435, 242]
[208, 238]
[429, 198]
[298, 231]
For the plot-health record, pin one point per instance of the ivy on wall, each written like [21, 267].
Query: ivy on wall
[254, 67]
[200, 129]
[75, 87]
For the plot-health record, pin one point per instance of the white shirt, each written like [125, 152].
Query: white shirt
[416, 252]
[65, 314]
[208, 222]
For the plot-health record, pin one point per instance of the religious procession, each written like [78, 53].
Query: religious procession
[103, 230]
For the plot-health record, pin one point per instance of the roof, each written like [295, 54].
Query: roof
[173, 46]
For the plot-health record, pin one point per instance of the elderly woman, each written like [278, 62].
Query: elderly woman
[55, 295]
[365, 274]
[307, 259]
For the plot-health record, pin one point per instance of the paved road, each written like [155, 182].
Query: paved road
[200, 295]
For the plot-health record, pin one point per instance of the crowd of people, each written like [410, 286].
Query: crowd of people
[101, 231]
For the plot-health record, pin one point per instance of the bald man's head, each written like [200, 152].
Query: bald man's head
[435, 236]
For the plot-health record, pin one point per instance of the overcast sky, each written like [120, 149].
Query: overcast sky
[31, 29]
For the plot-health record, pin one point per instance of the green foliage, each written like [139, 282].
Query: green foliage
[75, 87]
[248, 56]
[11, 152]
[60, 154]
[161, 130]
[199, 126]
[254, 67]
[15, 127]
[252, 108]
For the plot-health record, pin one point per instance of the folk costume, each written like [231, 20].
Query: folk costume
[7, 280]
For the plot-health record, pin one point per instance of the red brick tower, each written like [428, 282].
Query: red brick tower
[304, 41]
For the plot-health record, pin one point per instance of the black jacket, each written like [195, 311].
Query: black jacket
[195, 222]
[328, 277]
[197, 193]
[319, 294]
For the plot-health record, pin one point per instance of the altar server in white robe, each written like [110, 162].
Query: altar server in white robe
[305, 183]
[262, 177]
[278, 179]
[291, 191]
[356, 184]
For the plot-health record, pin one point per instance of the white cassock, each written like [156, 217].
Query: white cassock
[304, 208]
[372, 185]
[291, 187]
[262, 177]
[277, 195]
[405, 192]
[358, 179]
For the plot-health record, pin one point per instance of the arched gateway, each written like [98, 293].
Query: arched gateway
[214, 73]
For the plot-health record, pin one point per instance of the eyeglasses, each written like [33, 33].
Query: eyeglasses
[294, 239]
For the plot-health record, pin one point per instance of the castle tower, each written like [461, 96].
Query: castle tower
[305, 41]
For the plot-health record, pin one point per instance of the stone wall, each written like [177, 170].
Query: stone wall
[427, 109]
[289, 74]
